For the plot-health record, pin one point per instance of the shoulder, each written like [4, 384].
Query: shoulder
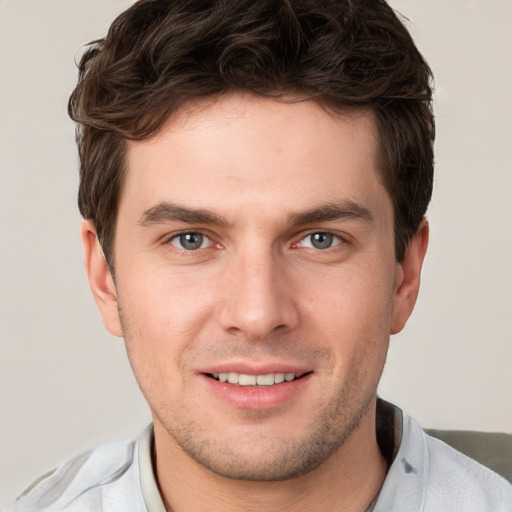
[467, 483]
[427, 475]
[101, 479]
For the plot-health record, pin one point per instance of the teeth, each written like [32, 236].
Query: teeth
[243, 379]
[278, 378]
[247, 380]
[265, 380]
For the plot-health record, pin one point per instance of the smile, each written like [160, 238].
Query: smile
[243, 379]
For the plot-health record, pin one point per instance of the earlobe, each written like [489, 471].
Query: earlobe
[408, 278]
[100, 279]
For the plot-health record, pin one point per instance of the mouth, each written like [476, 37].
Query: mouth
[266, 380]
[257, 389]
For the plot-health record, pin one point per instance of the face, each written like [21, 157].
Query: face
[256, 281]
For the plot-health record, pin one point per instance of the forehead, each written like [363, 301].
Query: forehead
[263, 152]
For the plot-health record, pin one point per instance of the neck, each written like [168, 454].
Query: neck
[346, 482]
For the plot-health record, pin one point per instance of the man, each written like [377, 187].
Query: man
[254, 180]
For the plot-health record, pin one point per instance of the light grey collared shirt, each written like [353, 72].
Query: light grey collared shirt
[425, 475]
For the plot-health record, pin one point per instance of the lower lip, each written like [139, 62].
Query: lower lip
[257, 398]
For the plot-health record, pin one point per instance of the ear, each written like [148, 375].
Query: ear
[100, 279]
[408, 278]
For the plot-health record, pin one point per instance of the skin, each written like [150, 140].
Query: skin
[258, 295]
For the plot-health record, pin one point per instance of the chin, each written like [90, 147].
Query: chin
[266, 455]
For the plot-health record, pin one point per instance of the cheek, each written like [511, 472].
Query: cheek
[358, 298]
[352, 313]
[167, 301]
[160, 322]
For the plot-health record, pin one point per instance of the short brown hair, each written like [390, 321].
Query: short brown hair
[159, 54]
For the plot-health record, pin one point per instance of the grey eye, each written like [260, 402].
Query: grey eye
[320, 240]
[189, 241]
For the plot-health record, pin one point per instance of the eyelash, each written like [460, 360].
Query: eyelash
[335, 240]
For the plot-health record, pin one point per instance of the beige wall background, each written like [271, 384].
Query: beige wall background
[65, 384]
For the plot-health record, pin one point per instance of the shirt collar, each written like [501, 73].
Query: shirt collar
[150, 492]
[405, 485]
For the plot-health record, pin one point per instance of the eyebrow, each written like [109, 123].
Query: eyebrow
[167, 212]
[346, 210]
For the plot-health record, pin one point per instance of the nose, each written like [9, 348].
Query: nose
[258, 297]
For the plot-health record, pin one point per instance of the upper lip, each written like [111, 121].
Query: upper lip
[249, 368]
